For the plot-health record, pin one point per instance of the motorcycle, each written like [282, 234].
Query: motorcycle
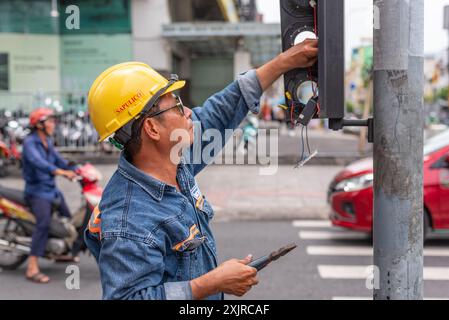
[66, 235]
[10, 148]
[4, 158]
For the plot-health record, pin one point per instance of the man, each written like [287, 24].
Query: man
[150, 234]
[41, 163]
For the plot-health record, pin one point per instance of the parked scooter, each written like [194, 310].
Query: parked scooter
[66, 236]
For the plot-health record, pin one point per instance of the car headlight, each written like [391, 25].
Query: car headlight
[355, 184]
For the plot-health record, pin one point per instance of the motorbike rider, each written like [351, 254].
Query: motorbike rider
[41, 163]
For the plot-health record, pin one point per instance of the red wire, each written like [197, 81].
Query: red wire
[291, 114]
[315, 22]
[310, 76]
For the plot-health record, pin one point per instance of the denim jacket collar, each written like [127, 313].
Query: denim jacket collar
[35, 138]
[152, 186]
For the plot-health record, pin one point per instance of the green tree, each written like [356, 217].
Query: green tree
[442, 93]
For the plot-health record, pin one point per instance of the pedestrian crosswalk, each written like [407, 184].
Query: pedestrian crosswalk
[358, 251]
[363, 272]
[331, 235]
[326, 243]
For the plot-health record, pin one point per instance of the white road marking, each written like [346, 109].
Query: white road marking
[312, 224]
[332, 235]
[436, 273]
[343, 272]
[362, 272]
[339, 251]
[364, 251]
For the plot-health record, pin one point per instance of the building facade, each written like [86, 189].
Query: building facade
[51, 51]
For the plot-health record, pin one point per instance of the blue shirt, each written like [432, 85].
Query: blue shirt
[38, 165]
[153, 239]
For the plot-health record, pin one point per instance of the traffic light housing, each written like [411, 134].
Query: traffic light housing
[316, 92]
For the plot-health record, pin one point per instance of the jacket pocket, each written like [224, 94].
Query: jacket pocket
[190, 262]
[188, 253]
[207, 209]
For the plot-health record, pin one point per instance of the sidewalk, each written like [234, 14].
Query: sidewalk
[240, 193]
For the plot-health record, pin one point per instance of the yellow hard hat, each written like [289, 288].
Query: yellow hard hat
[123, 93]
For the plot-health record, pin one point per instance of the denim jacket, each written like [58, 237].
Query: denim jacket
[38, 165]
[154, 239]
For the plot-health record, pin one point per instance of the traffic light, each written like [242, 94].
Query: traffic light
[316, 92]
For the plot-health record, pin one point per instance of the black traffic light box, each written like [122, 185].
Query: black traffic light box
[317, 91]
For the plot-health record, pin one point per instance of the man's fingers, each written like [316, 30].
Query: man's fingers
[311, 42]
[312, 51]
[247, 260]
[306, 50]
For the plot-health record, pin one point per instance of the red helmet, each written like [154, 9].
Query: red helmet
[40, 115]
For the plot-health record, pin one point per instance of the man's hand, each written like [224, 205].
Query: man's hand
[71, 175]
[235, 277]
[303, 55]
[232, 277]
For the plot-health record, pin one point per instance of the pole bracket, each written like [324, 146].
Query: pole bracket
[338, 124]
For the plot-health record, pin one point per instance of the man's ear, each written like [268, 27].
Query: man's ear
[152, 129]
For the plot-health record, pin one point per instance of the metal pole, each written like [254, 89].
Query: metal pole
[398, 149]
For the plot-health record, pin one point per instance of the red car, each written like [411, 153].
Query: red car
[351, 192]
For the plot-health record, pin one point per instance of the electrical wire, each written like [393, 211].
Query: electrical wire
[315, 17]
[302, 146]
[314, 84]
[302, 139]
[292, 110]
[303, 160]
[307, 139]
[315, 30]
[310, 77]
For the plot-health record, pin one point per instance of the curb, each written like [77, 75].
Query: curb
[320, 160]
[271, 214]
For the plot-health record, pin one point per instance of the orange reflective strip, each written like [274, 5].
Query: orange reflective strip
[193, 232]
[95, 221]
[200, 202]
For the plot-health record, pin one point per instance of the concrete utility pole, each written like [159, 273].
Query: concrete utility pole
[398, 148]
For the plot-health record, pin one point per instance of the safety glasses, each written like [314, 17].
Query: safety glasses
[179, 105]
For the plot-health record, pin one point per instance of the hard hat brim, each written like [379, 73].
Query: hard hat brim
[175, 86]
